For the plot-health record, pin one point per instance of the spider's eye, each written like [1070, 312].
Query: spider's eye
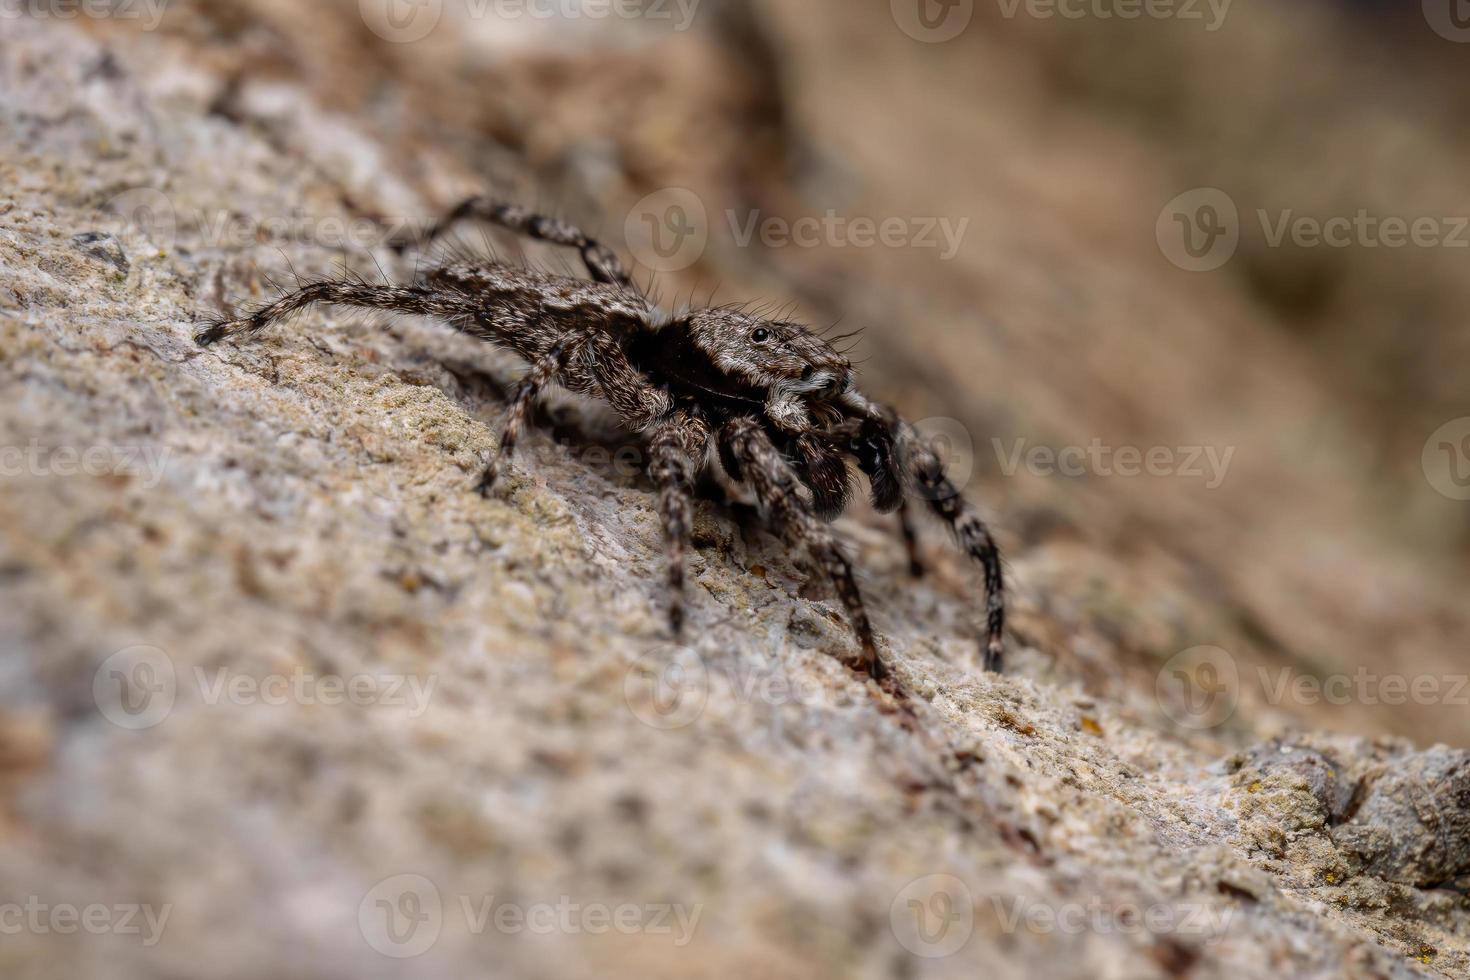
[760, 335]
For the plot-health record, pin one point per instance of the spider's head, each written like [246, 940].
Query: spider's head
[770, 354]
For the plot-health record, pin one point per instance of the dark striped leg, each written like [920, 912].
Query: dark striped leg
[757, 462]
[602, 262]
[970, 534]
[677, 446]
[394, 299]
[542, 373]
[910, 538]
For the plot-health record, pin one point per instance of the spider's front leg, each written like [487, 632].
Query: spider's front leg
[895, 456]
[678, 446]
[751, 456]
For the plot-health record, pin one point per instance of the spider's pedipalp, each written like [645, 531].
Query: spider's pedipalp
[777, 489]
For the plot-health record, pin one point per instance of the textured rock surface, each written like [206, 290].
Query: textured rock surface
[236, 532]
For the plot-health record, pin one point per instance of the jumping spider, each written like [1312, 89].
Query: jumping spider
[775, 404]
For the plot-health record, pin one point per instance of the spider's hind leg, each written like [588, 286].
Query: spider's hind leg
[392, 299]
[602, 262]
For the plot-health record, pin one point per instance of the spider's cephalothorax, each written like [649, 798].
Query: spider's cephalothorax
[769, 402]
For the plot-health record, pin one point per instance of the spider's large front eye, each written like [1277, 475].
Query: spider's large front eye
[760, 335]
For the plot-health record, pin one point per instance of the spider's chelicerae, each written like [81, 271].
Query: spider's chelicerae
[770, 402]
